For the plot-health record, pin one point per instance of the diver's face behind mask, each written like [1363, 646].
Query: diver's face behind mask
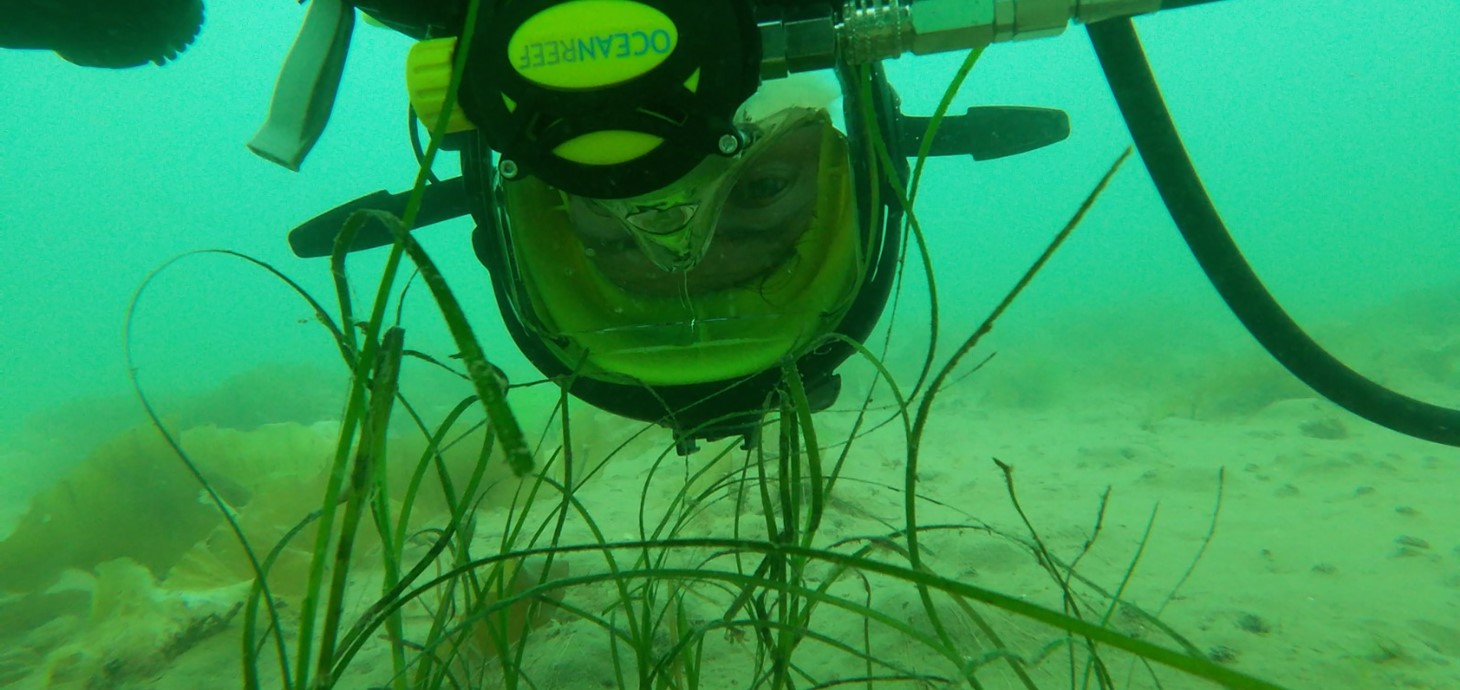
[740, 221]
[743, 262]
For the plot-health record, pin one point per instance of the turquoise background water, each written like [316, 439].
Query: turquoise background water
[1325, 132]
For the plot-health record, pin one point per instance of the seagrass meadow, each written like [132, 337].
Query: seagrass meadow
[1057, 463]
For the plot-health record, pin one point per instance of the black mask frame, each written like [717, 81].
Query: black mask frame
[734, 407]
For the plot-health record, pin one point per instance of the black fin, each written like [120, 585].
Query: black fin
[103, 33]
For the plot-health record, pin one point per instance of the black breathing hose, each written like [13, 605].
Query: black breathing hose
[1129, 74]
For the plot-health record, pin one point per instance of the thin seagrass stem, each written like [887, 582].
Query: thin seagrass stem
[371, 452]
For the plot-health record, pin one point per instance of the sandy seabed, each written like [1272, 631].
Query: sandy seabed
[1333, 562]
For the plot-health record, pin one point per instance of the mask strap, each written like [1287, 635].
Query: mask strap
[308, 81]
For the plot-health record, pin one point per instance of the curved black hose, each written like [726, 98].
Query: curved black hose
[1129, 74]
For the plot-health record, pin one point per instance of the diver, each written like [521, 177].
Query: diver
[671, 227]
[670, 241]
[102, 33]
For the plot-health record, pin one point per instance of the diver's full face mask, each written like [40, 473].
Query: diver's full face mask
[744, 261]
